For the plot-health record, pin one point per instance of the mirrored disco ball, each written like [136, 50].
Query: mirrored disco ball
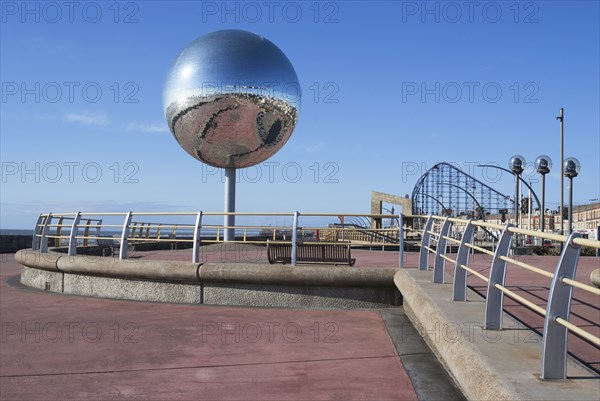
[231, 99]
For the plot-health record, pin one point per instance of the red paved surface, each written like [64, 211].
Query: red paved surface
[585, 307]
[136, 350]
[68, 347]
[244, 253]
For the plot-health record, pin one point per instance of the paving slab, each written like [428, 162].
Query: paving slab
[487, 364]
[71, 347]
[113, 349]
[585, 306]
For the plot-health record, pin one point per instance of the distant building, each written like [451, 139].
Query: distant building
[586, 220]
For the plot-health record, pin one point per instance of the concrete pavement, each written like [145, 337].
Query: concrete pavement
[71, 347]
[235, 346]
[585, 308]
[487, 364]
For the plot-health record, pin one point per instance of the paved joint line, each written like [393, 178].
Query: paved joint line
[194, 367]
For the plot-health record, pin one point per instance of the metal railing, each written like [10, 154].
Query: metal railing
[436, 236]
[556, 314]
[195, 231]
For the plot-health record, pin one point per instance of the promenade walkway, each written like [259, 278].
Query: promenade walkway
[70, 347]
[585, 309]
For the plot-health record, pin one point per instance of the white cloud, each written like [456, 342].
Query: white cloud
[147, 127]
[316, 147]
[86, 118]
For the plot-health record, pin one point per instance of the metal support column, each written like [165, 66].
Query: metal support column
[425, 242]
[570, 231]
[36, 240]
[459, 290]
[554, 348]
[295, 238]
[229, 219]
[401, 240]
[73, 234]
[44, 238]
[561, 118]
[494, 298]
[125, 236]
[543, 207]
[440, 263]
[197, 239]
[517, 200]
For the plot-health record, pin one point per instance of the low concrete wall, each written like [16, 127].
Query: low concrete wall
[486, 364]
[210, 283]
[286, 296]
[106, 287]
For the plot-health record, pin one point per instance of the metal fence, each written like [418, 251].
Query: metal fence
[93, 228]
[435, 240]
[436, 236]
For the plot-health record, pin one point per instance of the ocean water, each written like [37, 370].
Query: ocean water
[10, 231]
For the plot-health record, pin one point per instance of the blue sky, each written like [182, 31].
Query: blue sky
[389, 89]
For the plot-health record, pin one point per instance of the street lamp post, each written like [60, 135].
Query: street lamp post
[561, 119]
[571, 168]
[543, 164]
[529, 210]
[516, 164]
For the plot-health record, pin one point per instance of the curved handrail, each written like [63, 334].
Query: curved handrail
[557, 309]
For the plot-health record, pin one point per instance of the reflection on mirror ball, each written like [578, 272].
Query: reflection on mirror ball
[231, 99]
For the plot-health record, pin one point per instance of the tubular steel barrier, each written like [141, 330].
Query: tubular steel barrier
[131, 231]
[557, 311]
[437, 234]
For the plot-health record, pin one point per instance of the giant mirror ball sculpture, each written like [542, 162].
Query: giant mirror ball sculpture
[231, 99]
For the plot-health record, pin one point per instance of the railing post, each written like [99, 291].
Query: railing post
[35, 241]
[439, 262]
[74, 231]
[98, 229]
[44, 238]
[459, 291]
[295, 238]
[134, 229]
[554, 348]
[197, 239]
[58, 231]
[425, 240]
[124, 236]
[401, 239]
[86, 232]
[494, 298]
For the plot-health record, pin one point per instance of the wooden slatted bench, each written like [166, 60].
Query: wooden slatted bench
[108, 245]
[311, 252]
